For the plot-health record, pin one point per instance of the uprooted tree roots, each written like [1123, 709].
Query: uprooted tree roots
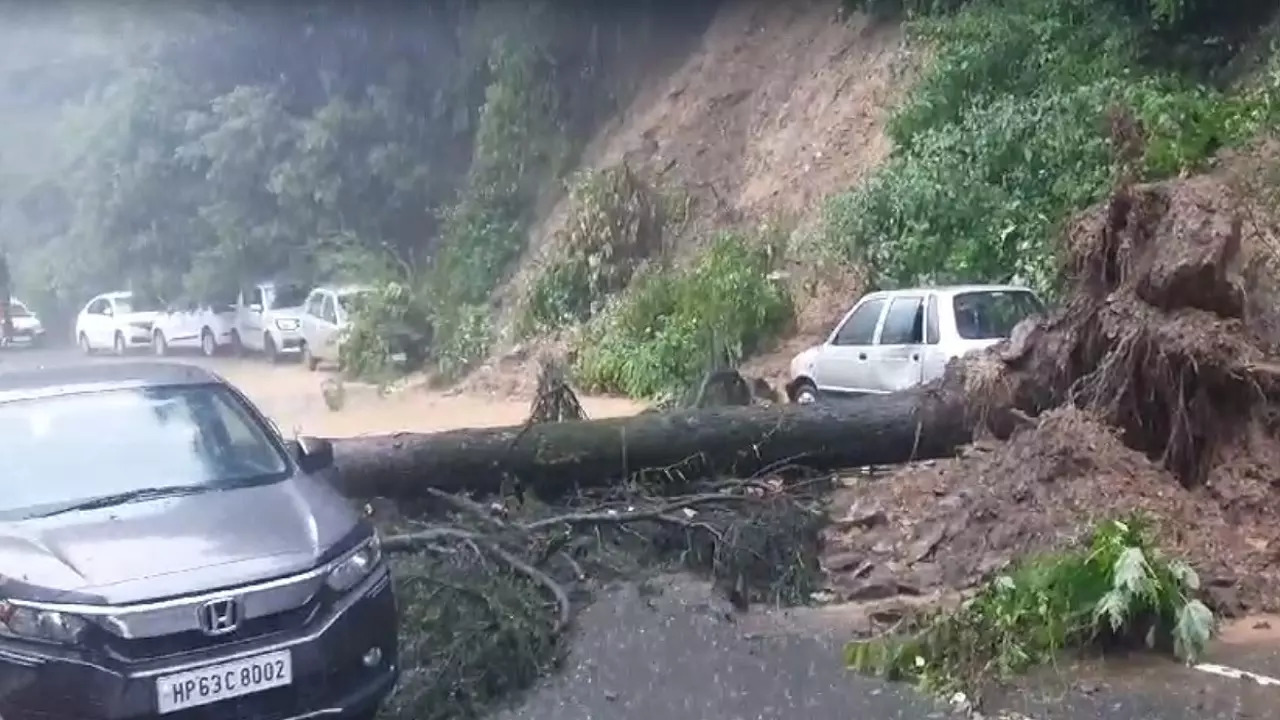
[1152, 389]
[489, 591]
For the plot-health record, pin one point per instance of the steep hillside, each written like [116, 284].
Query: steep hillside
[779, 105]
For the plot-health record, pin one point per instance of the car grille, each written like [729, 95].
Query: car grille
[154, 648]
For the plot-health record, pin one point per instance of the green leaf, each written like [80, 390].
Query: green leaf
[1194, 627]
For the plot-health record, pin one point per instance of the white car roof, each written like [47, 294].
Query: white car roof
[950, 290]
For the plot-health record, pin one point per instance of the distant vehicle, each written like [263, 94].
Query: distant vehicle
[165, 553]
[121, 321]
[894, 340]
[27, 328]
[269, 319]
[203, 326]
[325, 317]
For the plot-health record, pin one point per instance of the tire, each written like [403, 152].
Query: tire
[269, 349]
[159, 345]
[208, 344]
[311, 361]
[118, 345]
[83, 341]
[805, 393]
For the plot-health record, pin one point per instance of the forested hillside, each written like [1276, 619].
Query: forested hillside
[653, 185]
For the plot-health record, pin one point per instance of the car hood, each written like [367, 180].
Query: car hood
[174, 546]
[140, 316]
[26, 322]
[287, 313]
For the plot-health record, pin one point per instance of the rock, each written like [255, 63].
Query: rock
[843, 562]
[862, 518]
[926, 542]
[878, 586]
[1222, 597]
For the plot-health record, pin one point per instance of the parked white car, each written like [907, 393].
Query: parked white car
[325, 316]
[269, 319]
[893, 340]
[27, 328]
[119, 320]
[206, 327]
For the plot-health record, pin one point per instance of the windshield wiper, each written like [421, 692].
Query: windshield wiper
[151, 493]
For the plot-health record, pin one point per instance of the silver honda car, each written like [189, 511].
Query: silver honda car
[165, 553]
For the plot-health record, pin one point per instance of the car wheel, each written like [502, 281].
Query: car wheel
[118, 346]
[159, 344]
[805, 394]
[311, 361]
[208, 345]
[83, 342]
[269, 349]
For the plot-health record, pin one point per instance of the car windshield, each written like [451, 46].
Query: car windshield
[17, 309]
[62, 451]
[991, 314]
[287, 296]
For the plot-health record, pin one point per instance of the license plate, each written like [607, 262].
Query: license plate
[223, 682]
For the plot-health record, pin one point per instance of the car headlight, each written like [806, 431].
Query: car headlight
[287, 324]
[348, 572]
[42, 625]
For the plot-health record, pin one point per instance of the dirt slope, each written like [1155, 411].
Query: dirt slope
[779, 105]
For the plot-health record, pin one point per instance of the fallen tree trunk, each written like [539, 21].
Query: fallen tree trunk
[551, 458]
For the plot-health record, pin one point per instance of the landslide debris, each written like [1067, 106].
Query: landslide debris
[1153, 388]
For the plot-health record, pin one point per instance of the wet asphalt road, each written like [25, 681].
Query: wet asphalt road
[683, 656]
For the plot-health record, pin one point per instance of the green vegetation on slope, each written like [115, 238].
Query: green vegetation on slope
[659, 337]
[1004, 137]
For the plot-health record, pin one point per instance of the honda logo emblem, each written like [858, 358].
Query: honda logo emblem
[219, 617]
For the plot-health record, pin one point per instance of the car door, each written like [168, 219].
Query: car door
[841, 367]
[311, 319]
[897, 358]
[251, 311]
[85, 322]
[327, 328]
[101, 326]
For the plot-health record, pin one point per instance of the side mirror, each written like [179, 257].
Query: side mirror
[314, 454]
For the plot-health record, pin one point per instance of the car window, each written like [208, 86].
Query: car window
[255, 296]
[17, 309]
[329, 312]
[314, 301]
[70, 448]
[932, 336]
[991, 314]
[288, 296]
[96, 307]
[904, 322]
[860, 327]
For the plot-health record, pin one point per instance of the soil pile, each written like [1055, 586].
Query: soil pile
[1153, 388]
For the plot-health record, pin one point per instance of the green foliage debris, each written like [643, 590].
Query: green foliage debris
[1116, 591]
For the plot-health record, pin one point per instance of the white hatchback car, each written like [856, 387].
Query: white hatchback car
[897, 339]
[118, 320]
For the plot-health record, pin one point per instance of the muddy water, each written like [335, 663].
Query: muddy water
[291, 396]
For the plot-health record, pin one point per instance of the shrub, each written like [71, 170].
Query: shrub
[658, 337]
[1116, 590]
[616, 221]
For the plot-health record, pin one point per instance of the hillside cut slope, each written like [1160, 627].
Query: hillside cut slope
[779, 105]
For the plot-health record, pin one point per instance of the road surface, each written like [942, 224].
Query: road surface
[683, 655]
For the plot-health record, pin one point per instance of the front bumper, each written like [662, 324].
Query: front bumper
[330, 678]
[288, 341]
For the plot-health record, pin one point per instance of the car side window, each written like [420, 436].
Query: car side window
[860, 327]
[314, 303]
[255, 297]
[904, 323]
[330, 312]
[932, 335]
[95, 307]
